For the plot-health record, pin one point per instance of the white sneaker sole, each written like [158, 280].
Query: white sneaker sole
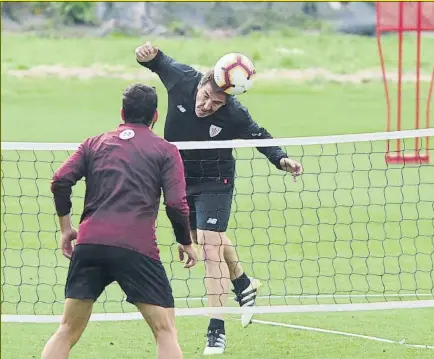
[213, 351]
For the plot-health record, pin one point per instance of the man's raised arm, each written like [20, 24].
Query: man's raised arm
[169, 71]
[250, 130]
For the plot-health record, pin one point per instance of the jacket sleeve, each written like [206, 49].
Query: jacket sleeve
[71, 171]
[250, 130]
[168, 70]
[173, 184]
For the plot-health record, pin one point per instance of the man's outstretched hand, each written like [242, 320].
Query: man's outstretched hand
[292, 166]
[146, 52]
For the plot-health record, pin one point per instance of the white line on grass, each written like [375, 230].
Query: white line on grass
[328, 331]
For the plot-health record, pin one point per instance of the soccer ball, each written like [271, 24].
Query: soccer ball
[234, 73]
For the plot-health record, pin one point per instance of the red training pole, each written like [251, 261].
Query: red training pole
[418, 44]
[400, 45]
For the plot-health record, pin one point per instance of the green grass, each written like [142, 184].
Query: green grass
[351, 224]
[69, 110]
[110, 339]
[343, 54]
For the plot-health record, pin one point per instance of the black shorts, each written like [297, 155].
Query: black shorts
[210, 205]
[93, 267]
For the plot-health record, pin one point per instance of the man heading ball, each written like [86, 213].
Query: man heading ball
[198, 110]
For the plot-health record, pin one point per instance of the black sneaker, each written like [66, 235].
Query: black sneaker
[215, 342]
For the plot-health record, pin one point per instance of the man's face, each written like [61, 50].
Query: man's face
[208, 101]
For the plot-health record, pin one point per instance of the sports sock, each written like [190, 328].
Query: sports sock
[217, 324]
[241, 283]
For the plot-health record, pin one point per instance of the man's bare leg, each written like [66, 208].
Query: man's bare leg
[162, 323]
[217, 277]
[245, 288]
[217, 241]
[231, 258]
[222, 266]
[217, 283]
[74, 321]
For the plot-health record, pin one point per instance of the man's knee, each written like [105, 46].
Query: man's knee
[70, 333]
[75, 318]
[163, 328]
[164, 331]
[205, 237]
[161, 320]
[212, 244]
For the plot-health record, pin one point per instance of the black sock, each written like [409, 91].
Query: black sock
[241, 283]
[217, 324]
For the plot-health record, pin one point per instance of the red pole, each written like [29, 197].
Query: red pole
[428, 111]
[400, 41]
[418, 40]
[383, 71]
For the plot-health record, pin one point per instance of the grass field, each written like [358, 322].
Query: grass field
[350, 225]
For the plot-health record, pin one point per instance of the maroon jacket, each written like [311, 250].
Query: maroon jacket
[125, 170]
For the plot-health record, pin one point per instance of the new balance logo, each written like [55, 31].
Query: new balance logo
[181, 108]
[214, 130]
[212, 221]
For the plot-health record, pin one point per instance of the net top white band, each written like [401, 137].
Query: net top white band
[316, 308]
[296, 141]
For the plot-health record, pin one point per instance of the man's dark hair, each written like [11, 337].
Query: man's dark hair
[208, 77]
[139, 103]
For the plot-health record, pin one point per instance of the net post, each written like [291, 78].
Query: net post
[392, 17]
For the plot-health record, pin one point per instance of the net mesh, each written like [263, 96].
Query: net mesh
[352, 229]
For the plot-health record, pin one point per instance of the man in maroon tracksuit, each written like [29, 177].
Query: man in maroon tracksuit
[125, 170]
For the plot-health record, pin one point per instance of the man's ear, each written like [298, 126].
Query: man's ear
[122, 114]
[155, 119]
[156, 115]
